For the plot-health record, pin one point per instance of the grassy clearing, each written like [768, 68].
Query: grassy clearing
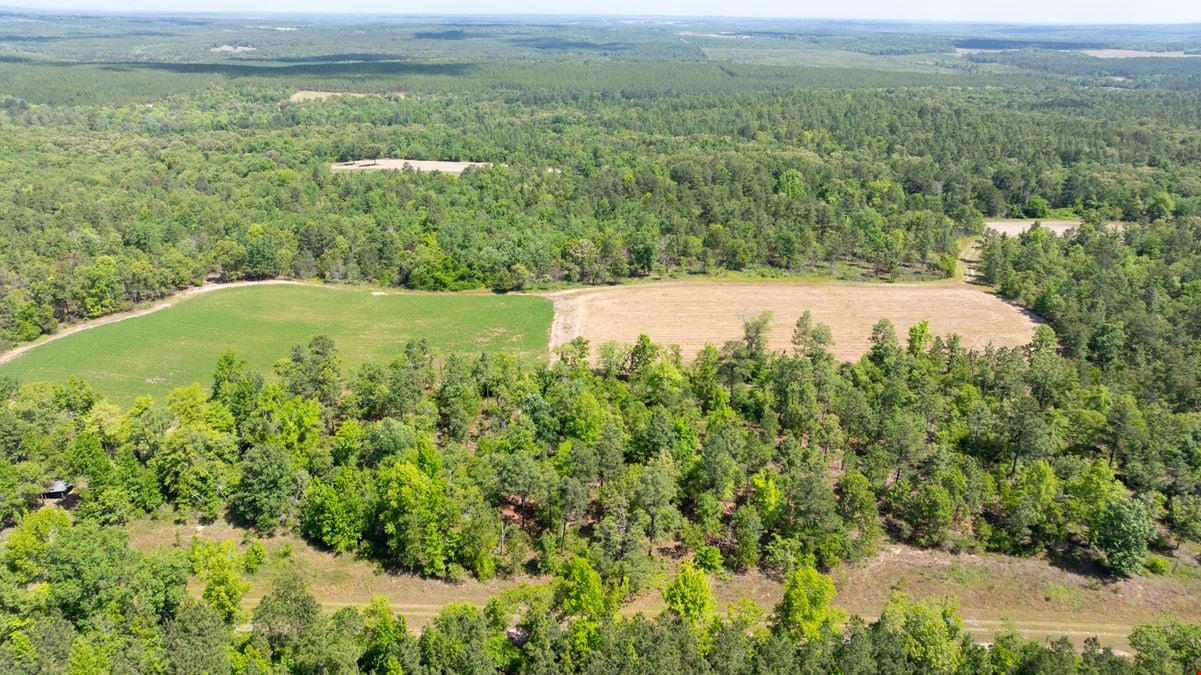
[179, 345]
[1041, 601]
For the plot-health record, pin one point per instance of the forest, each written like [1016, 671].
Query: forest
[153, 162]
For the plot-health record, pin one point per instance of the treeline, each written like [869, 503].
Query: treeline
[1125, 300]
[103, 207]
[464, 466]
[78, 600]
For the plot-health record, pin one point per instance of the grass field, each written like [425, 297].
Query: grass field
[179, 345]
[692, 314]
[1042, 601]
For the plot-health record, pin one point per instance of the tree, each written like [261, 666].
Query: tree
[857, 508]
[313, 371]
[748, 530]
[195, 641]
[101, 285]
[25, 546]
[1123, 532]
[1185, 515]
[929, 631]
[456, 642]
[689, 595]
[262, 495]
[929, 513]
[1166, 646]
[220, 570]
[805, 608]
[656, 495]
[334, 514]
[580, 593]
[288, 613]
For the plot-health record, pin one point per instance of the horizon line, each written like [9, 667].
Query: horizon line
[547, 15]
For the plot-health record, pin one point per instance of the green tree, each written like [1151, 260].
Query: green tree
[266, 487]
[1123, 532]
[288, 612]
[804, 612]
[929, 631]
[334, 514]
[689, 595]
[196, 640]
[220, 570]
[25, 546]
[748, 530]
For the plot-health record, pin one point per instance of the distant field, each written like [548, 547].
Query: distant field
[400, 164]
[692, 314]
[1015, 227]
[310, 95]
[1057, 227]
[180, 344]
[1135, 54]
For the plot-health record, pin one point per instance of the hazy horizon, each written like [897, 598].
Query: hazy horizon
[1069, 12]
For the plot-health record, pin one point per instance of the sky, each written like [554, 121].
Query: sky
[1023, 11]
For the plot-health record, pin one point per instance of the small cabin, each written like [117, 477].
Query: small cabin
[57, 490]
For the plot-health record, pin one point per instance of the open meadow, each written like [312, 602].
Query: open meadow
[693, 314]
[179, 345]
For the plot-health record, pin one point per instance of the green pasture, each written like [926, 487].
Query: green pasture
[179, 345]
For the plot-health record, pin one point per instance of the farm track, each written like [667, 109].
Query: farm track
[156, 306]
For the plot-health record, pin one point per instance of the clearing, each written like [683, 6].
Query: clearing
[179, 343]
[1057, 227]
[1041, 600]
[1135, 54]
[401, 164]
[1015, 227]
[314, 95]
[692, 314]
[233, 49]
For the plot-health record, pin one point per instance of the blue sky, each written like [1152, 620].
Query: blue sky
[1025, 11]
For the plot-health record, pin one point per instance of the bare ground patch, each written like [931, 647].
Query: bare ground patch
[401, 164]
[693, 314]
[314, 95]
[1015, 227]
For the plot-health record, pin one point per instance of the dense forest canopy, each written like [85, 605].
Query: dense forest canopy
[143, 156]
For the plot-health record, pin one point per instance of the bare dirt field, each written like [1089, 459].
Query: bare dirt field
[693, 314]
[1135, 54]
[1015, 227]
[232, 49]
[400, 164]
[313, 95]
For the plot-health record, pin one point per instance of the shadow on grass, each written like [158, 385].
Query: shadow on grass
[1086, 567]
[561, 44]
[352, 57]
[447, 35]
